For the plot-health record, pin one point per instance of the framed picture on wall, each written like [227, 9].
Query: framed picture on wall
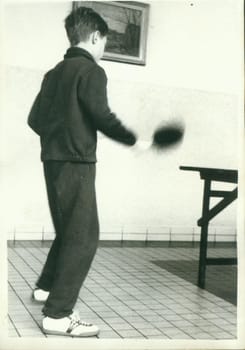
[128, 24]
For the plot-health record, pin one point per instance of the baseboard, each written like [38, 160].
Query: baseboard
[128, 244]
[136, 234]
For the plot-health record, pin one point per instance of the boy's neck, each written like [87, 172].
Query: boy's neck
[86, 46]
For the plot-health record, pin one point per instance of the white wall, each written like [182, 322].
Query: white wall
[193, 72]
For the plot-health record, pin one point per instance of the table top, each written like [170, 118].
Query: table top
[215, 174]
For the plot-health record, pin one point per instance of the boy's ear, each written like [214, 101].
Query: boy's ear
[95, 36]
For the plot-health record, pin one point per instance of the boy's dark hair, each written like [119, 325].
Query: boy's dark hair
[83, 21]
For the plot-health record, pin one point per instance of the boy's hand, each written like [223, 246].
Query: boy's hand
[141, 146]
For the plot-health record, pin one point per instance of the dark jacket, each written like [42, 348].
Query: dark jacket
[71, 106]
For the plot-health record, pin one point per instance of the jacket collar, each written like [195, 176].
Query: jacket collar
[75, 51]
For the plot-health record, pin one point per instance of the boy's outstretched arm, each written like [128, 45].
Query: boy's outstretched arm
[93, 97]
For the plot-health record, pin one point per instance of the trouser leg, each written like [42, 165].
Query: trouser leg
[74, 186]
[46, 278]
[51, 172]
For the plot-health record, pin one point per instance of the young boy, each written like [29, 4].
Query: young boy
[69, 109]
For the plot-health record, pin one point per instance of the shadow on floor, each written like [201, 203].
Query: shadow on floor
[220, 280]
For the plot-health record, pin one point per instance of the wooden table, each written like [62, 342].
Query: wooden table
[209, 175]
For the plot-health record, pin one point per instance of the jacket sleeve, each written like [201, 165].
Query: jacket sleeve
[93, 96]
[33, 120]
[34, 117]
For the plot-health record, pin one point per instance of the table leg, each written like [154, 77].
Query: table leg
[204, 235]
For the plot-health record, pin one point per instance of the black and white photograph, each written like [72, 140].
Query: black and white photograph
[122, 168]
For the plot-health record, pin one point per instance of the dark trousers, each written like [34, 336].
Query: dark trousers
[72, 202]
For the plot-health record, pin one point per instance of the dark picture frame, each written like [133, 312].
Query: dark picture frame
[128, 26]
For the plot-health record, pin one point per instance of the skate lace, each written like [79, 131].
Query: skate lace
[75, 322]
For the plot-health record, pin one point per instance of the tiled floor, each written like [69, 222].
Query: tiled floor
[126, 295]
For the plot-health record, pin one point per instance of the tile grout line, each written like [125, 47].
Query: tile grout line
[15, 328]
